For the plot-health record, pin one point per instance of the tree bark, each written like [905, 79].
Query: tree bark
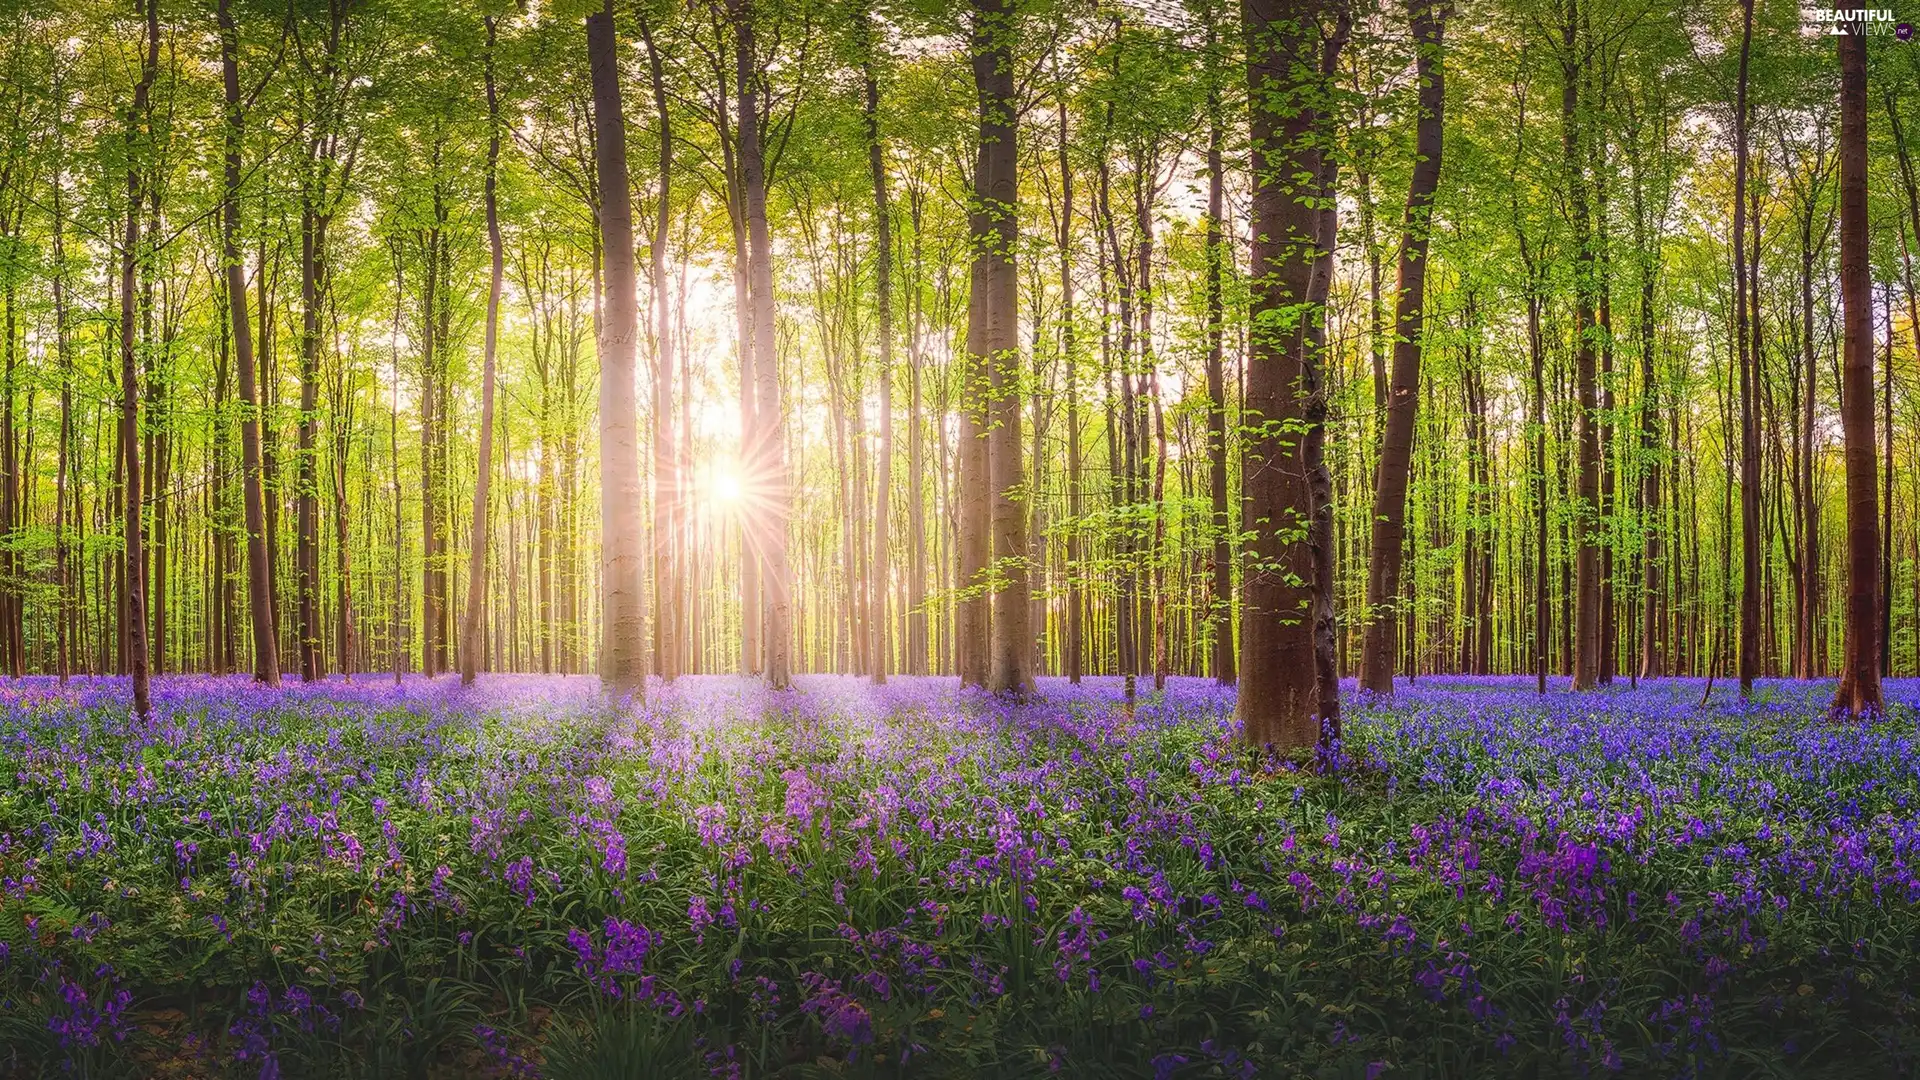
[668, 484]
[266, 653]
[1396, 448]
[1859, 690]
[1278, 703]
[1749, 422]
[470, 646]
[1220, 617]
[1586, 626]
[134, 589]
[623, 618]
[883, 285]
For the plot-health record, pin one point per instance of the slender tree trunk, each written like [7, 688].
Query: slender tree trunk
[1396, 448]
[669, 587]
[1313, 445]
[1587, 560]
[1653, 654]
[883, 283]
[266, 653]
[64, 602]
[135, 621]
[1073, 652]
[917, 643]
[1886, 508]
[483, 466]
[623, 618]
[1747, 360]
[1220, 618]
[770, 454]
[1859, 690]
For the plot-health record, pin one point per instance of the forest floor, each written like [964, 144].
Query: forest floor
[359, 879]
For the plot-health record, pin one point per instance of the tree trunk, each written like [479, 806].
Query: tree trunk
[1749, 423]
[483, 465]
[1586, 620]
[883, 284]
[1396, 448]
[622, 625]
[266, 653]
[134, 590]
[668, 590]
[1220, 617]
[1278, 703]
[1859, 690]
[769, 453]
[1073, 657]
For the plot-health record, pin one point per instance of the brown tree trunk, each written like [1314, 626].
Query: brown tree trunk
[266, 652]
[134, 589]
[1073, 657]
[1859, 690]
[64, 603]
[877, 654]
[1220, 615]
[1586, 621]
[1396, 447]
[667, 482]
[483, 465]
[1313, 446]
[623, 619]
[1652, 660]
[996, 200]
[1749, 421]
[1278, 703]
[770, 441]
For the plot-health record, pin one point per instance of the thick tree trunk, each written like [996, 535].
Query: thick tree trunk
[1859, 690]
[996, 231]
[622, 628]
[483, 466]
[1278, 704]
[1396, 447]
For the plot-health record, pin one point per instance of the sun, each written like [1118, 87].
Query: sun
[724, 487]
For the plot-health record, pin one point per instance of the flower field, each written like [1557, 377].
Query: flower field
[358, 879]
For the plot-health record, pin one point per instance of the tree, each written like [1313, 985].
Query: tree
[1747, 358]
[767, 452]
[1587, 639]
[1278, 703]
[883, 299]
[266, 655]
[1859, 691]
[993, 339]
[139, 119]
[622, 628]
[1428, 18]
[470, 642]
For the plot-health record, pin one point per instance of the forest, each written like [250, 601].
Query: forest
[1158, 538]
